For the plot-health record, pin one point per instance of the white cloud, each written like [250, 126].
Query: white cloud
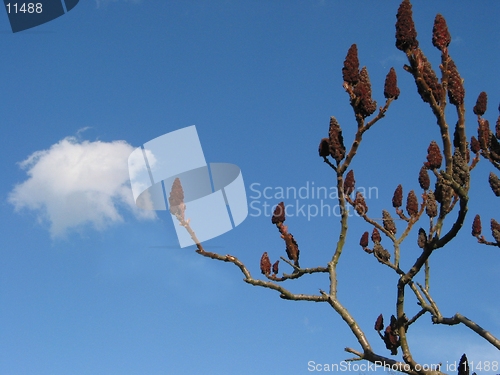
[74, 183]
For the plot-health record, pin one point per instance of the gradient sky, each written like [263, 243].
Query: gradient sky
[89, 284]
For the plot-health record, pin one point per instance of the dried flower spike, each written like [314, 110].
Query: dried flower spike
[463, 366]
[397, 199]
[494, 183]
[336, 141]
[456, 92]
[423, 178]
[388, 222]
[176, 199]
[360, 204]
[476, 226]
[324, 148]
[380, 253]
[412, 204]
[441, 37]
[431, 205]
[275, 267]
[475, 147]
[434, 157]
[484, 134]
[350, 71]
[391, 90]
[363, 90]
[364, 240]
[292, 249]
[422, 238]
[406, 34]
[265, 264]
[279, 214]
[376, 236]
[433, 86]
[379, 323]
[495, 230]
[481, 103]
[349, 183]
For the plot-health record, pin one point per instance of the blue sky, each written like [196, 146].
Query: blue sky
[89, 284]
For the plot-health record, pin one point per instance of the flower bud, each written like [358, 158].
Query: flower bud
[360, 204]
[431, 205]
[495, 230]
[474, 145]
[336, 141]
[422, 238]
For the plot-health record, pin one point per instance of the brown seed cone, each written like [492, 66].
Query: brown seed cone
[176, 199]
[276, 267]
[388, 222]
[431, 205]
[423, 178]
[376, 236]
[441, 37]
[363, 92]
[391, 90]
[495, 230]
[324, 147]
[476, 226]
[379, 323]
[460, 168]
[350, 71]
[422, 238]
[484, 134]
[463, 366]
[406, 34]
[364, 240]
[481, 103]
[349, 183]
[456, 92]
[380, 253]
[265, 264]
[360, 204]
[434, 157]
[494, 183]
[412, 204]
[397, 198]
[336, 141]
[279, 214]
[475, 147]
